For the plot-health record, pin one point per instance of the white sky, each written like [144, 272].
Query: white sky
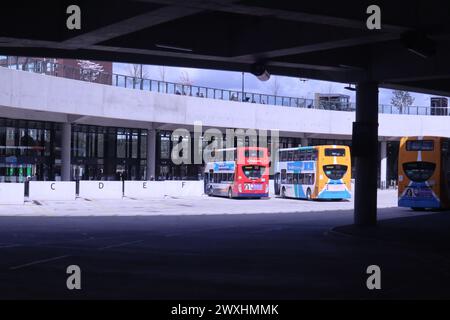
[288, 86]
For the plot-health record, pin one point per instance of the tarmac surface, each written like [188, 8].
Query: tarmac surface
[174, 249]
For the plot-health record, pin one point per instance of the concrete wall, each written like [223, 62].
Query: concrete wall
[100, 190]
[51, 190]
[29, 91]
[160, 189]
[12, 193]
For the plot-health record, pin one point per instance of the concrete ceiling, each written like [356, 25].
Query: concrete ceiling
[318, 39]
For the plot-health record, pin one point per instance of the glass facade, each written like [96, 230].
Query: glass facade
[32, 150]
[108, 153]
[29, 149]
[165, 168]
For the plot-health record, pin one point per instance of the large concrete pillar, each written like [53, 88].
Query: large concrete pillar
[151, 153]
[365, 150]
[383, 165]
[66, 140]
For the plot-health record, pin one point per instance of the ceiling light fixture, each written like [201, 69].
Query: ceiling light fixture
[419, 44]
[164, 46]
[350, 87]
[260, 71]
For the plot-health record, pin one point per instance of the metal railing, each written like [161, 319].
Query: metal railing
[125, 81]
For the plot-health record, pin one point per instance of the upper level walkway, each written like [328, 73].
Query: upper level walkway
[126, 81]
[34, 96]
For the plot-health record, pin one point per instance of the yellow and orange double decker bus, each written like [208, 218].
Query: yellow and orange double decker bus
[424, 172]
[316, 172]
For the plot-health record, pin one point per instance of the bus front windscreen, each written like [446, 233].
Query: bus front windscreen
[253, 172]
[419, 171]
[335, 171]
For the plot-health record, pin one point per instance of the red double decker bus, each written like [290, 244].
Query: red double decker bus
[247, 176]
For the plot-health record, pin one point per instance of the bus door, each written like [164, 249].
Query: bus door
[205, 182]
[277, 182]
[208, 179]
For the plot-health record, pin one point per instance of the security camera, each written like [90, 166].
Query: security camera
[260, 71]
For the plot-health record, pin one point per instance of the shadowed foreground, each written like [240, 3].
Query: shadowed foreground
[258, 256]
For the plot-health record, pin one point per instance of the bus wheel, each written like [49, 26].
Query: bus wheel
[283, 192]
[418, 209]
[230, 193]
[210, 191]
[308, 194]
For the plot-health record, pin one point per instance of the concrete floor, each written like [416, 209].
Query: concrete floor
[278, 255]
[183, 206]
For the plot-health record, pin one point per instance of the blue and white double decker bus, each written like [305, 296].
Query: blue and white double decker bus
[316, 172]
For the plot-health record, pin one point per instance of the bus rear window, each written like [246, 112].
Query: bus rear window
[419, 171]
[253, 172]
[334, 152]
[420, 145]
[254, 153]
[335, 171]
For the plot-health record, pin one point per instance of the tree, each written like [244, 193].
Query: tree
[401, 99]
[275, 89]
[137, 71]
[185, 80]
[162, 73]
[89, 70]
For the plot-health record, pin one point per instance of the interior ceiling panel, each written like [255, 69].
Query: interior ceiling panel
[319, 39]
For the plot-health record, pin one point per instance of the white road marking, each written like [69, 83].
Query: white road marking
[37, 262]
[10, 246]
[120, 244]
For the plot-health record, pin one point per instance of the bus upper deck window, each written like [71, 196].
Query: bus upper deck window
[290, 155]
[254, 153]
[334, 152]
[420, 145]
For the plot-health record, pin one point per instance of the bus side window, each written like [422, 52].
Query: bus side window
[283, 176]
[295, 178]
[231, 177]
[301, 178]
[308, 156]
[306, 178]
[290, 155]
[289, 178]
[314, 155]
[297, 155]
[302, 155]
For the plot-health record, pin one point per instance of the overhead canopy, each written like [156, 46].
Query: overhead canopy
[318, 39]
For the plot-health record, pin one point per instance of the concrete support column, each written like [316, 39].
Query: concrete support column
[151, 154]
[304, 142]
[365, 150]
[66, 145]
[383, 165]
